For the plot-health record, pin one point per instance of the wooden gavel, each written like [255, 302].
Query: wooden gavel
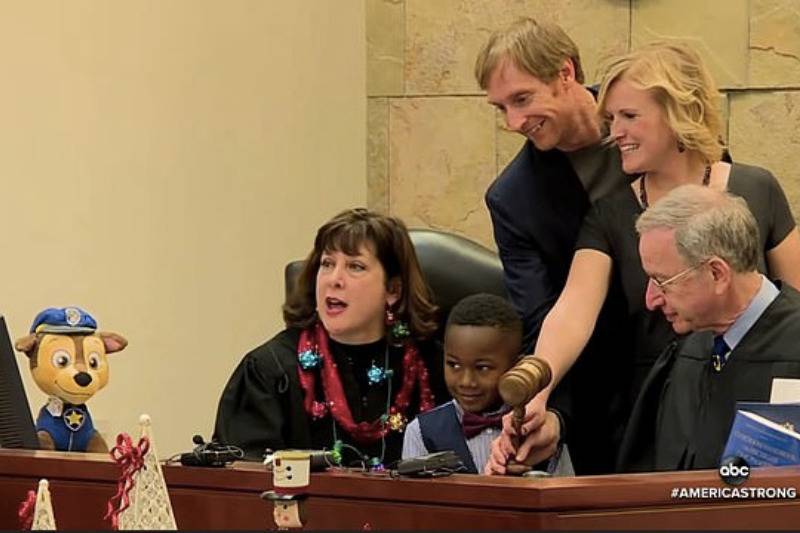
[517, 387]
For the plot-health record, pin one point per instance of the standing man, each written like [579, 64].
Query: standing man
[532, 73]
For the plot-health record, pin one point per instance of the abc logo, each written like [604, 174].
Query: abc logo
[734, 470]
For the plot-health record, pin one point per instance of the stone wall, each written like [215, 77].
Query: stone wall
[434, 144]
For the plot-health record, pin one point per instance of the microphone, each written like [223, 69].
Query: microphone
[210, 454]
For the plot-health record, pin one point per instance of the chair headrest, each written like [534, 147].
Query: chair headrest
[456, 267]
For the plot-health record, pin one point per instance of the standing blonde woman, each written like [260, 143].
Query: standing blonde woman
[661, 106]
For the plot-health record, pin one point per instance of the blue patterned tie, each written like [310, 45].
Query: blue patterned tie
[720, 354]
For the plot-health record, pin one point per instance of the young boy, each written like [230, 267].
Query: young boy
[482, 340]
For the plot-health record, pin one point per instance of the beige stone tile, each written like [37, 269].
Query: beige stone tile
[725, 112]
[765, 131]
[378, 154]
[445, 36]
[718, 29]
[385, 43]
[441, 160]
[774, 43]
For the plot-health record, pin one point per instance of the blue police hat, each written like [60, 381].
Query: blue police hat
[63, 320]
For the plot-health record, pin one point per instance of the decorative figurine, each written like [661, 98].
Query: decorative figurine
[36, 512]
[68, 362]
[291, 475]
[149, 506]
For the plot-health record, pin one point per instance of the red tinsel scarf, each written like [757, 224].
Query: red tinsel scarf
[316, 338]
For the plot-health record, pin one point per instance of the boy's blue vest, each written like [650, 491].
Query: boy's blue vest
[441, 430]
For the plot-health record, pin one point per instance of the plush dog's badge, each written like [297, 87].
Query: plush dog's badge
[68, 361]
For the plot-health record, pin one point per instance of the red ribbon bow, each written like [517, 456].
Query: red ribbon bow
[130, 459]
[26, 510]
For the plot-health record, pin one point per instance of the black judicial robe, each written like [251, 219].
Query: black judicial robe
[685, 410]
[262, 405]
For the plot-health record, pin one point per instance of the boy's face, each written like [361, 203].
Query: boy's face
[474, 359]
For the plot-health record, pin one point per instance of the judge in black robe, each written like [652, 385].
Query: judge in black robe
[686, 408]
[699, 247]
[361, 282]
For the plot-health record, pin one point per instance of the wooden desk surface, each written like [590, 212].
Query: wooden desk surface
[206, 498]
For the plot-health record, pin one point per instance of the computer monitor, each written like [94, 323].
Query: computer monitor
[16, 424]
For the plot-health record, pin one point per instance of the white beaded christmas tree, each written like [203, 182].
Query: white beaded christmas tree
[43, 518]
[150, 507]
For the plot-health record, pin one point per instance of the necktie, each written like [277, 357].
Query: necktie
[720, 354]
[473, 424]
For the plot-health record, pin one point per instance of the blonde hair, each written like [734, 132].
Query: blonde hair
[536, 47]
[707, 223]
[675, 75]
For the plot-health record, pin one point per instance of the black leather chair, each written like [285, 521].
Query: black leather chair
[453, 266]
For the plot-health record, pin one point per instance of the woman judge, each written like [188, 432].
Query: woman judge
[660, 104]
[350, 369]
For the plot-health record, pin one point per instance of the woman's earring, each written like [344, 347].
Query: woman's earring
[398, 330]
[681, 146]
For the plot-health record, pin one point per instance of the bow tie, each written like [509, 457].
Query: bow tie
[473, 424]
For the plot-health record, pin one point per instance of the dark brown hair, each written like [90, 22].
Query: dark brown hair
[387, 237]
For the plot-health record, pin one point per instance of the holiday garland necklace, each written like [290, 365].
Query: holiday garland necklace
[314, 346]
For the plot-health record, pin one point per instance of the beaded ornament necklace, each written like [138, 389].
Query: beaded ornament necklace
[313, 351]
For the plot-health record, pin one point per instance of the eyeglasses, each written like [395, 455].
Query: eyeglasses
[662, 285]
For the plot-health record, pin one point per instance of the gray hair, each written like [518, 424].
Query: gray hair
[707, 223]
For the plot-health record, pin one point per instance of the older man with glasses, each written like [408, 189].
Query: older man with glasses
[700, 249]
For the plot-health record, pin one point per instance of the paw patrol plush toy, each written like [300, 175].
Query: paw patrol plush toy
[68, 361]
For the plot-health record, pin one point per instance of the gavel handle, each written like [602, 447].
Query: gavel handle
[518, 417]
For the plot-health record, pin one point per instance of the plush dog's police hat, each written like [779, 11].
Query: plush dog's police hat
[64, 320]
